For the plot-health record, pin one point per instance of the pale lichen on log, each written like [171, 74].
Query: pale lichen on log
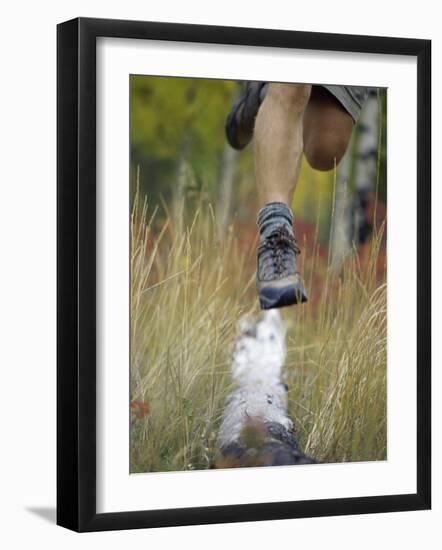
[256, 429]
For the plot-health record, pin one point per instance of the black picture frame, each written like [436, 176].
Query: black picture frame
[76, 273]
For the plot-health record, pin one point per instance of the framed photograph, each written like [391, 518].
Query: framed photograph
[243, 274]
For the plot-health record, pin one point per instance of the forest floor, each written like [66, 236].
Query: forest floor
[189, 289]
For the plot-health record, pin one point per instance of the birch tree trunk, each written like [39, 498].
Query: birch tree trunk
[227, 178]
[356, 178]
[341, 222]
[179, 194]
[256, 429]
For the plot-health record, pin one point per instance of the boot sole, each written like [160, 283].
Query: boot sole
[239, 138]
[275, 297]
[232, 132]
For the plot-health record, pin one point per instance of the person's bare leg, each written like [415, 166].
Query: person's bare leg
[278, 140]
[293, 118]
[278, 136]
[327, 130]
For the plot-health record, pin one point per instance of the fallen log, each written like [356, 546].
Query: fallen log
[256, 429]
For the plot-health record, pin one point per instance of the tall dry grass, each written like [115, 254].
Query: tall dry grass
[189, 290]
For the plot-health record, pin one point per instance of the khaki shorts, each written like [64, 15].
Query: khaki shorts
[352, 98]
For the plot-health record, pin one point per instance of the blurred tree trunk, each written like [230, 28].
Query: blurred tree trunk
[366, 169]
[356, 180]
[227, 178]
[179, 195]
[341, 221]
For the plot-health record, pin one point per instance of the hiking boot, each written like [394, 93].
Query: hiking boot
[278, 281]
[241, 119]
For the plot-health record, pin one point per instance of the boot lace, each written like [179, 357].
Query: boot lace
[280, 243]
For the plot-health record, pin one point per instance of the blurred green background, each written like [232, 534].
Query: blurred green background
[193, 262]
[179, 151]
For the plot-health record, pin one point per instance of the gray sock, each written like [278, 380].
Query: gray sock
[273, 216]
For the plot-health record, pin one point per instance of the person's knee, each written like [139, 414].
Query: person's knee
[290, 96]
[326, 151]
